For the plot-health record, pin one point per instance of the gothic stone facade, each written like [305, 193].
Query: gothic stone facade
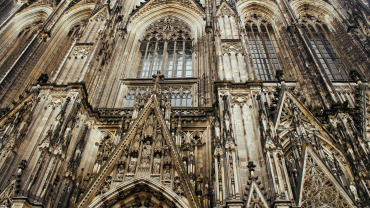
[184, 103]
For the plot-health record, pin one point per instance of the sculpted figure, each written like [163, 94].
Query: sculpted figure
[131, 166]
[147, 150]
[107, 149]
[120, 171]
[158, 141]
[136, 145]
[167, 174]
[157, 164]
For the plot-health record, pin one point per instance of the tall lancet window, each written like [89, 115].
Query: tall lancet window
[166, 47]
[264, 49]
[318, 36]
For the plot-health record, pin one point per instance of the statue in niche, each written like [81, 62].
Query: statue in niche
[167, 157]
[157, 164]
[148, 130]
[158, 141]
[131, 166]
[147, 150]
[136, 145]
[163, 102]
[191, 156]
[107, 148]
[120, 171]
[167, 174]
[136, 109]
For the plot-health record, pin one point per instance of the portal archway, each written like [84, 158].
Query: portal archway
[140, 192]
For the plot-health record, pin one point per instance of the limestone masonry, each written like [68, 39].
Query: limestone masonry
[184, 103]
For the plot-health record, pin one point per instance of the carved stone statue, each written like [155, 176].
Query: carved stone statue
[136, 144]
[120, 171]
[158, 141]
[149, 127]
[132, 165]
[157, 164]
[147, 150]
[107, 149]
[167, 174]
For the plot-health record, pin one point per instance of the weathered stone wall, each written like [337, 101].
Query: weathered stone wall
[274, 114]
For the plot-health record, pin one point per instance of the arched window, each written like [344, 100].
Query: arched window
[130, 99]
[10, 52]
[62, 47]
[166, 47]
[264, 49]
[318, 35]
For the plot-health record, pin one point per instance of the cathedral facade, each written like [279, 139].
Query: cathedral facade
[184, 103]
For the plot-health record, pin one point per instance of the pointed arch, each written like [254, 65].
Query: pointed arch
[320, 9]
[296, 127]
[311, 124]
[72, 17]
[27, 17]
[319, 187]
[255, 197]
[103, 178]
[266, 9]
[225, 9]
[124, 191]
[21, 29]
[151, 12]
[55, 48]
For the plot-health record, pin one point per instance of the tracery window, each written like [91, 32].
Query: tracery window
[177, 96]
[63, 46]
[321, 44]
[130, 99]
[9, 52]
[264, 49]
[166, 47]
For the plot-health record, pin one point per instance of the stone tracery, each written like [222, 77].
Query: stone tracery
[239, 99]
[319, 190]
